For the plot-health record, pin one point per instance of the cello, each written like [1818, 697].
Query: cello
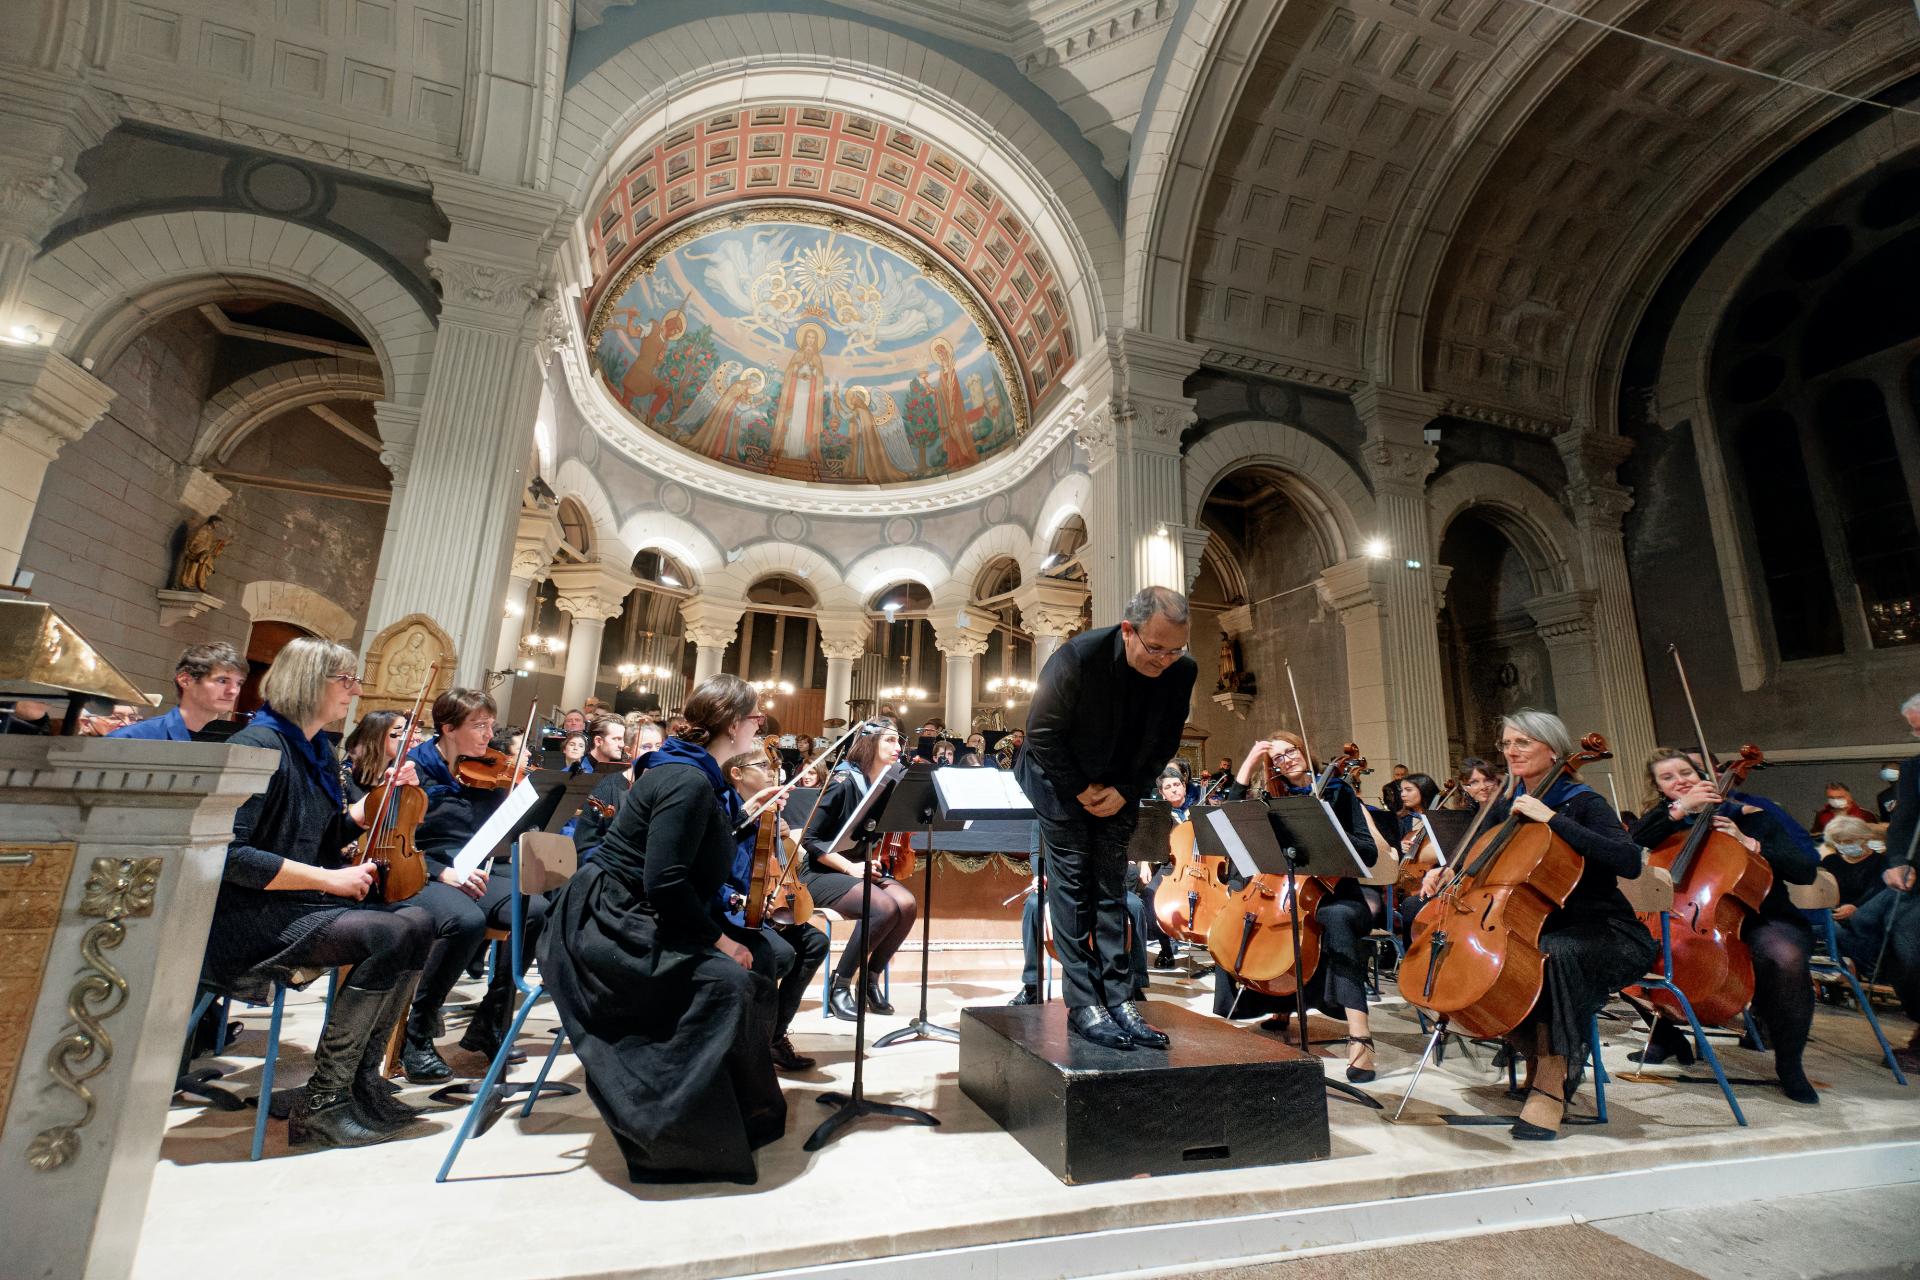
[1475, 959]
[1254, 941]
[1192, 892]
[397, 812]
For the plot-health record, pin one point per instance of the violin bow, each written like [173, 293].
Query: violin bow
[406, 736]
[524, 755]
[1319, 784]
[781, 792]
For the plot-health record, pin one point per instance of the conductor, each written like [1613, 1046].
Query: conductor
[1105, 720]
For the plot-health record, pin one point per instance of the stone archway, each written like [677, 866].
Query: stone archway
[268, 600]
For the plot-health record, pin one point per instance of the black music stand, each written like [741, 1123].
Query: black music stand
[854, 1104]
[1286, 836]
[1152, 837]
[912, 807]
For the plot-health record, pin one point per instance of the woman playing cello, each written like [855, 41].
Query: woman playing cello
[1337, 986]
[1593, 943]
[1678, 797]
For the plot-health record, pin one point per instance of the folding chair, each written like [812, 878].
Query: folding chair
[271, 1058]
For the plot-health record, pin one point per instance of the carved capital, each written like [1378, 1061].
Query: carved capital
[1051, 606]
[1564, 617]
[46, 400]
[1395, 463]
[1351, 586]
[711, 623]
[1236, 621]
[1392, 413]
[843, 633]
[483, 289]
[961, 642]
[592, 592]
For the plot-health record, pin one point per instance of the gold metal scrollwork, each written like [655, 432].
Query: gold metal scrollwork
[117, 889]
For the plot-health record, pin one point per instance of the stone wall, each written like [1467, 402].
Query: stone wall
[108, 526]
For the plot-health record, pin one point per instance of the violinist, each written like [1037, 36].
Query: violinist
[373, 745]
[671, 1008]
[1677, 798]
[796, 951]
[834, 878]
[1594, 944]
[464, 905]
[289, 903]
[1338, 985]
[1417, 793]
[1479, 784]
[209, 678]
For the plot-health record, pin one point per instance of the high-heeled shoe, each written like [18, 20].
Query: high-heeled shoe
[1360, 1075]
[1528, 1131]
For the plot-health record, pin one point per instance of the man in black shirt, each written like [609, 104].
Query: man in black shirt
[1105, 719]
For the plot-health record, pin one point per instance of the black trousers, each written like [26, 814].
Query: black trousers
[1032, 941]
[1087, 871]
[460, 925]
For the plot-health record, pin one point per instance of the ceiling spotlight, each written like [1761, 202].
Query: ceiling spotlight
[23, 335]
[1160, 532]
[1413, 564]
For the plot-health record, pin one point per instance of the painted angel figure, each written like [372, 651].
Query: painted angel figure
[862, 413]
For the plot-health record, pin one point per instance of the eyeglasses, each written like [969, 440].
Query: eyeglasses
[758, 717]
[1515, 744]
[348, 680]
[396, 733]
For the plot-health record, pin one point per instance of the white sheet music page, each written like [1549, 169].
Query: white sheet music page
[1236, 847]
[988, 792]
[495, 828]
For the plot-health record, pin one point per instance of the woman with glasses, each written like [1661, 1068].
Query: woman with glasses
[670, 1007]
[834, 879]
[291, 906]
[1337, 986]
[464, 904]
[1593, 943]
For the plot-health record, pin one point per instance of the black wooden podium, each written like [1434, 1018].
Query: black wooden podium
[1219, 1097]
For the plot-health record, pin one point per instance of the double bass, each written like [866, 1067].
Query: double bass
[1253, 939]
[1475, 959]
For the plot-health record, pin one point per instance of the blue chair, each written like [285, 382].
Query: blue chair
[540, 863]
[830, 916]
[1816, 902]
[270, 1061]
[1660, 980]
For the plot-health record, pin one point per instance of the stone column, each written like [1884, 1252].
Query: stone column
[590, 594]
[1598, 502]
[46, 403]
[107, 889]
[1136, 409]
[843, 641]
[453, 523]
[1050, 611]
[534, 545]
[48, 117]
[1354, 590]
[711, 625]
[962, 641]
[1398, 463]
[1565, 622]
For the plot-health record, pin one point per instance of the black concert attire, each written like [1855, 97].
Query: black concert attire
[793, 953]
[1151, 888]
[454, 812]
[1777, 934]
[1865, 935]
[841, 892]
[1141, 928]
[261, 936]
[590, 828]
[1339, 982]
[675, 1034]
[1594, 944]
[1860, 880]
[1094, 720]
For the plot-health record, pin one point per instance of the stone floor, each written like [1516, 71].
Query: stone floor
[547, 1197]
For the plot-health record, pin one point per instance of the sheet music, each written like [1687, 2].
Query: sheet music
[495, 828]
[1433, 840]
[1359, 864]
[1236, 847]
[982, 789]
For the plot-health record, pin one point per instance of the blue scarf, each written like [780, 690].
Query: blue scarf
[680, 751]
[1561, 792]
[315, 754]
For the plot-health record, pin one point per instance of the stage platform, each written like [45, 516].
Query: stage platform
[548, 1197]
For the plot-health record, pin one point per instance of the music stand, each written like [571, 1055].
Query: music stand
[854, 1104]
[911, 807]
[1285, 836]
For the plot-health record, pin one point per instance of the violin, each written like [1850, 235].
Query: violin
[488, 771]
[401, 869]
[895, 854]
[1254, 941]
[1475, 958]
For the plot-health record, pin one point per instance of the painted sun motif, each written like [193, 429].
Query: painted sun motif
[822, 271]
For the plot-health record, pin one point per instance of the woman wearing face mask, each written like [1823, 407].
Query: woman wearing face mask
[1855, 854]
[1840, 802]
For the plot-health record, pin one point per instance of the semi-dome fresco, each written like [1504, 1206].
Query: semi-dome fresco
[809, 346]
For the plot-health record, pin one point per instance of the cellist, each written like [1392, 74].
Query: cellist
[1338, 985]
[1594, 944]
[1677, 798]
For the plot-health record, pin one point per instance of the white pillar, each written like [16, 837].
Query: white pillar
[453, 522]
[1045, 645]
[1353, 590]
[46, 403]
[843, 641]
[962, 639]
[537, 539]
[1398, 462]
[590, 593]
[583, 658]
[1599, 503]
[710, 626]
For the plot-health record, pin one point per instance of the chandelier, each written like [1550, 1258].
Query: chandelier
[769, 689]
[535, 645]
[1012, 686]
[631, 672]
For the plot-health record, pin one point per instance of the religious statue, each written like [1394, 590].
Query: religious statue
[1232, 678]
[194, 569]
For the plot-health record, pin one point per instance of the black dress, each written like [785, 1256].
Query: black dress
[1345, 917]
[675, 1035]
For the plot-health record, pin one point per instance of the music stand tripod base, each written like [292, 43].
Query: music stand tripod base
[919, 1027]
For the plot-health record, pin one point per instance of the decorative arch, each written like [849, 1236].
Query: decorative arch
[1529, 518]
[91, 292]
[1329, 493]
[1002, 541]
[238, 410]
[1224, 559]
[270, 600]
[573, 480]
[763, 559]
[1072, 495]
[891, 565]
[681, 539]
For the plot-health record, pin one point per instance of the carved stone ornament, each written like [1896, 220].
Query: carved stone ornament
[184, 606]
[1400, 463]
[496, 287]
[1238, 703]
[399, 660]
[117, 889]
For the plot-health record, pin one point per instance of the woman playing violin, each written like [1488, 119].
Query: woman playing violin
[370, 748]
[291, 905]
[1337, 986]
[1594, 944]
[834, 878]
[1480, 783]
[1678, 797]
[464, 905]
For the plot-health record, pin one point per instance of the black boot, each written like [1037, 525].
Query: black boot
[1029, 994]
[490, 1020]
[419, 1059]
[325, 1113]
[1143, 1032]
[840, 999]
[373, 1093]
[1096, 1025]
[1164, 959]
[788, 1058]
[876, 1003]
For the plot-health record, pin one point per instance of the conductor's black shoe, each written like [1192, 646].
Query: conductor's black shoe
[840, 1000]
[1143, 1032]
[1096, 1026]
[787, 1058]
[1029, 994]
